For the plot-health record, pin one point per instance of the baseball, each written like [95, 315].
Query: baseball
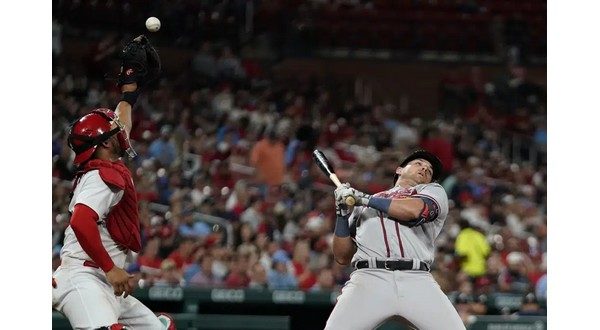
[152, 24]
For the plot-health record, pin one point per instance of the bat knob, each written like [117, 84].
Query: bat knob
[350, 201]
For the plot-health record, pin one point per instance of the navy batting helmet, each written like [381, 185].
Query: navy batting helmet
[436, 163]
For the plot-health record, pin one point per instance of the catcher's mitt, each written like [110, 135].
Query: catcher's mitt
[139, 63]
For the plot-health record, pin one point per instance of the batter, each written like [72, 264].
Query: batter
[389, 239]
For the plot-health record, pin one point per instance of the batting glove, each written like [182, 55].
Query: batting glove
[360, 197]
[339, 191]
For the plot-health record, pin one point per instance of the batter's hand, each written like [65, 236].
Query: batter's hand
[338, 193]
[119, 279]
[342, 210]
[360, 197]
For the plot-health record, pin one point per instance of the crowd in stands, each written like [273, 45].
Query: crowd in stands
[229, 196]
[299, 27]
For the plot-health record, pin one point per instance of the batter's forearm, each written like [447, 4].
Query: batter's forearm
[343, 249]
[406, 209]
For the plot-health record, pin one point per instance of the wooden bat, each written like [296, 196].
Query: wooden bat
[326, 167]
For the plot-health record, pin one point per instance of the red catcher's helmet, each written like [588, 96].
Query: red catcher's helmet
[94, 128]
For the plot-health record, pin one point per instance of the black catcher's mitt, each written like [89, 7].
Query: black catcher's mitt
[139, 63]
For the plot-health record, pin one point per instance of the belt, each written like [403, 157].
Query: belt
[89, 263]
[391, 265]
[72, 261]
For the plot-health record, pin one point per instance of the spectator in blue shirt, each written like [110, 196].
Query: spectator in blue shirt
[541, 287]
[279, 277]
[163, 149]
[189, 227]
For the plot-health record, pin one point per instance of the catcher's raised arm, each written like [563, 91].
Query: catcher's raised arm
[140, 64]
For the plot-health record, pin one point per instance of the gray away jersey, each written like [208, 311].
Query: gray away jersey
[378, 236]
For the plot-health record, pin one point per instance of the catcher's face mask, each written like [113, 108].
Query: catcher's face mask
[122, 137]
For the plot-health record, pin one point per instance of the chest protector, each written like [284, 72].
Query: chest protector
[122, 222]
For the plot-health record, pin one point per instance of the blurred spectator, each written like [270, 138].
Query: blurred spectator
[222, 102]
[56, 38]
[239, 198]
[162, 149]
[306, 278]
[193, 228]
[183, 254]
[540, 135]
[268, 156]
[514, 278]
[205, 277]
[237, 277]
[204, 65]
[484, 285]
[440, 145]
[193, 268]
[530, 306]
[279, 277]
[149, 260]
[170, 274]
[258, 277]
[252, 215]
[479, 305]
[62, 166]
[247, 237]
[541, 287]
[463, 307]
[325, 281]
[146, 189]
[229, 66]
[472, 248]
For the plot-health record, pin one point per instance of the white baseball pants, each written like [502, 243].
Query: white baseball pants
[85, 297]
[371, 296]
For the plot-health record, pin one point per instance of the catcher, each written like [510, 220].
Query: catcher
[90, 287]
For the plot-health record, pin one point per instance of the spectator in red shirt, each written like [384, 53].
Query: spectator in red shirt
[183, 254]
[306, 277]
[149, 257]
[325, 281]
[237, 277]
[440, 145]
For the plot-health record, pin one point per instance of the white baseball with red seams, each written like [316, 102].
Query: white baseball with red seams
[82, 292]
[373, 295]
[153, 24]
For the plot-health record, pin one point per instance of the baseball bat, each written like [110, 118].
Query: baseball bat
[326, 167]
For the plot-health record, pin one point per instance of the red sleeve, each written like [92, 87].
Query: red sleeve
[83, 222]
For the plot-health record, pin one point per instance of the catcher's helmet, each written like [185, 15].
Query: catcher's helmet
[436, 163]
[94, 128]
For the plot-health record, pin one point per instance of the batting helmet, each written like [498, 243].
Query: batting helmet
[436, 163]
[94, 128]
